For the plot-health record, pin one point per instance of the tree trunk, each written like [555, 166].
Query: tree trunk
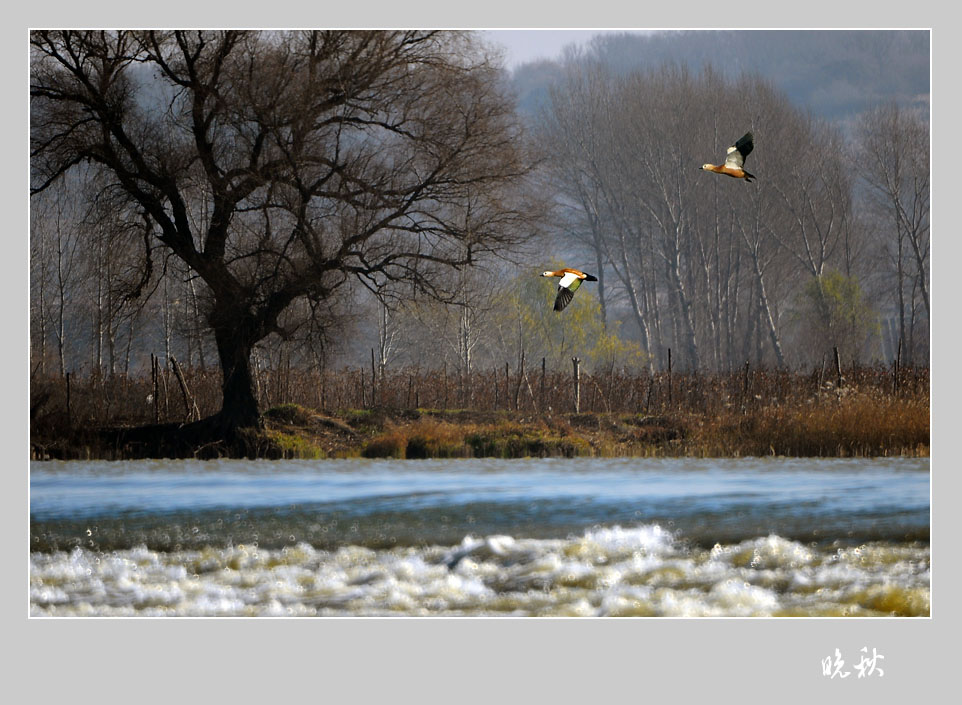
[686, 329]
[600, 268]
[765, 312]
[235, 340]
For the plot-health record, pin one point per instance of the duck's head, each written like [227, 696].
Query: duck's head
[547, 274]
[706, 167]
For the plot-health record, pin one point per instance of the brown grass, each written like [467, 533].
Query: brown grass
[738, 414]
[429, 437]
[858, 424]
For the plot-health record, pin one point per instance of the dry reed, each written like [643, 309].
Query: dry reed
[745, 412]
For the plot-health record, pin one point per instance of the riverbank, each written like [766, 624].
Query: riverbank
[849, 425]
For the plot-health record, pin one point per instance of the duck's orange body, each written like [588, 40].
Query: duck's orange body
[734, 165]
[567, 270]
[570, 281]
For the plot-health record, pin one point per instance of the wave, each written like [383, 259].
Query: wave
[603, 571]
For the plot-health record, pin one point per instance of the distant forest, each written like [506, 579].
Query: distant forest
[189, 182]
[836, 74]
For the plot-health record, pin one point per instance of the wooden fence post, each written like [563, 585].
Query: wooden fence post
[154, 376]
[507, 387]
[745, 388]
[542, 384]
[68, 400]
[898, 363]
[374, 381]
[669, 378]
[190, 406]
[821, 377]
[517, 389]
[577, 380]
[322, 382]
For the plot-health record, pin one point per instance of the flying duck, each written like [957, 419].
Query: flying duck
[570, 281]
[735, 161]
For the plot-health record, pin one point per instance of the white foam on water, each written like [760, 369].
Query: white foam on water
[741, 599]
[650, 539]
[682, 603]
[631, 601]
[768, 552]
[214, 602]
[46, 595]
[609, 571]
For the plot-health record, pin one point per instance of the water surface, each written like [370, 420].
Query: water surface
[675, 537]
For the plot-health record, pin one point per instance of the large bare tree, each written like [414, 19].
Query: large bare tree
[279, 166]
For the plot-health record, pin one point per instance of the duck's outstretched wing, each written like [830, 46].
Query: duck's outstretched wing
[564, 298]
[738, 151]
[569, 285]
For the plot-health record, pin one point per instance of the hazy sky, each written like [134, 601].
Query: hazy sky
[529, 44]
